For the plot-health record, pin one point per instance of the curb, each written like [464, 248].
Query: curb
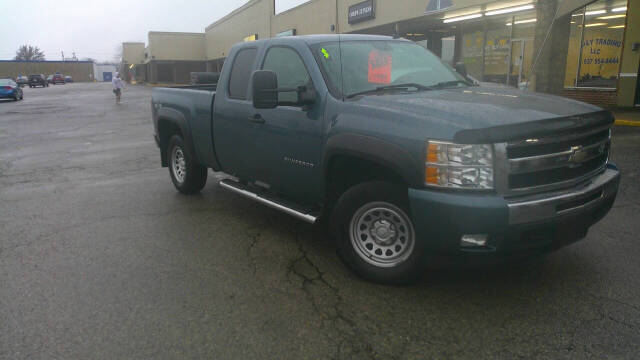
[627, 123]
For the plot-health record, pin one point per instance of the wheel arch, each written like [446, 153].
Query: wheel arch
[171, 122]
[351, 159]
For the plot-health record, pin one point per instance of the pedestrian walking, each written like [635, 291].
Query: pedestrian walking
[118, 85]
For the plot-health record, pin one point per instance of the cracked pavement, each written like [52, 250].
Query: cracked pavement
[101, 258]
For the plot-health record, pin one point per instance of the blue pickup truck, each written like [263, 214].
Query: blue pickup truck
[403, 156]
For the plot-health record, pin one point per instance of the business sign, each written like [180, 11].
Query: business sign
[362, 11]
[290, 32]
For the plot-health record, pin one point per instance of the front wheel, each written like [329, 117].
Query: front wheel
[187, 176]
[374, 233]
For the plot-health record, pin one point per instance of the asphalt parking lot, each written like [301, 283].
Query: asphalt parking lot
[100, 258]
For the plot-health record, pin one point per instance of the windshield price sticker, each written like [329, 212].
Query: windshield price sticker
[379, 67]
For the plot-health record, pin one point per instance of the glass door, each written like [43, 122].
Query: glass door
[521, 56]
[517, 55]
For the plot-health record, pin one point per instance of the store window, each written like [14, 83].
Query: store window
[499, 48]
[496, 50]
[472, 42]
[595, 45]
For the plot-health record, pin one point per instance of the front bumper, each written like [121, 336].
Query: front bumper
[540, 222]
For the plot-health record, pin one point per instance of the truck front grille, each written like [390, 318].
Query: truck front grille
[556, 160]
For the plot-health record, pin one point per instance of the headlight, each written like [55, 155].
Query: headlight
[459, 165]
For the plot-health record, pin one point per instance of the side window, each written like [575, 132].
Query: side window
[288, 65]
[241, 73]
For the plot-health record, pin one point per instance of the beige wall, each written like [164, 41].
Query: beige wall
[630, 59]
[133, 52]
[80, 71]
[313, 17]
[252, 18]
[176, 46]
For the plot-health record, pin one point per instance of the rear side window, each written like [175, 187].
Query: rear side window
[241, 73]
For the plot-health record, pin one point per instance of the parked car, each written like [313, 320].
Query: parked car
[49, 79]
[37, 80]
[9, 89]
[58, 79]
[405, 157]
[22, 80]
[68, 79]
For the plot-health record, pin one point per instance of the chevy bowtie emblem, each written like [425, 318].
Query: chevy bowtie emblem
[578, 155]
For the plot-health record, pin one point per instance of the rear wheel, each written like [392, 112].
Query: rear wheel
[187, 176]
[375, 234]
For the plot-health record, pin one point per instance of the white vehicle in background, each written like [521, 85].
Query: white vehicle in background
[22, 80]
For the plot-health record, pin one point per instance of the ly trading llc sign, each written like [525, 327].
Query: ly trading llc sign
[362, 11]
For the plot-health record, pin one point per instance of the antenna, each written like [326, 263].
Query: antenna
[341, 71]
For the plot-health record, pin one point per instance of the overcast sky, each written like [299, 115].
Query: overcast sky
[95, 28]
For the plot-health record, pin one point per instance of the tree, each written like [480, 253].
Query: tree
[28, 53]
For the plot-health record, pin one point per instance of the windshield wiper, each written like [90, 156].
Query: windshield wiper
[403, 86]
[445, 84]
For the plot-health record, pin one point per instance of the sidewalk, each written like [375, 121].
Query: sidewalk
[628, 117]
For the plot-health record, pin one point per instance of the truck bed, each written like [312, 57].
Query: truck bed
[190, 107]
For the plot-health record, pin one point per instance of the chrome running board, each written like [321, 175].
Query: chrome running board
[238, 189]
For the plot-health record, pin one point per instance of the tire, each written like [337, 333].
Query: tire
[391, 254]
[187, 176]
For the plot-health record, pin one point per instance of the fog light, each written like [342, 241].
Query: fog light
[475, 240]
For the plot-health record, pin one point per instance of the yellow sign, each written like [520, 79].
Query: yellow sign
[253, 37]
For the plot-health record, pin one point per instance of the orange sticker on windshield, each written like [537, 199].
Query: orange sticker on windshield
[379, 67]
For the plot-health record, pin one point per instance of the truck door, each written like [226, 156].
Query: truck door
[289, 140]
[233, 131]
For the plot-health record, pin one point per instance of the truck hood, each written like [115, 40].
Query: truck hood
[477, 111]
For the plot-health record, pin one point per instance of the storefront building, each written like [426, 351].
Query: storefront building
[587, 50]
[132, 68]
[170, 57]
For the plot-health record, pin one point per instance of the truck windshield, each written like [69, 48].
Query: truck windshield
[362, 67]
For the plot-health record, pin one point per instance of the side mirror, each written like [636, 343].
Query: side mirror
[461, 69]
[265, 89]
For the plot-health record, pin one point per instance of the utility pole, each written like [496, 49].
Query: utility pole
[62, 55]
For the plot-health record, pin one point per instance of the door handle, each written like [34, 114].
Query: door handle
[257, 119]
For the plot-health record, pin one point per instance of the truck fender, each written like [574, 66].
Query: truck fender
[375, 150]
[177, 120]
